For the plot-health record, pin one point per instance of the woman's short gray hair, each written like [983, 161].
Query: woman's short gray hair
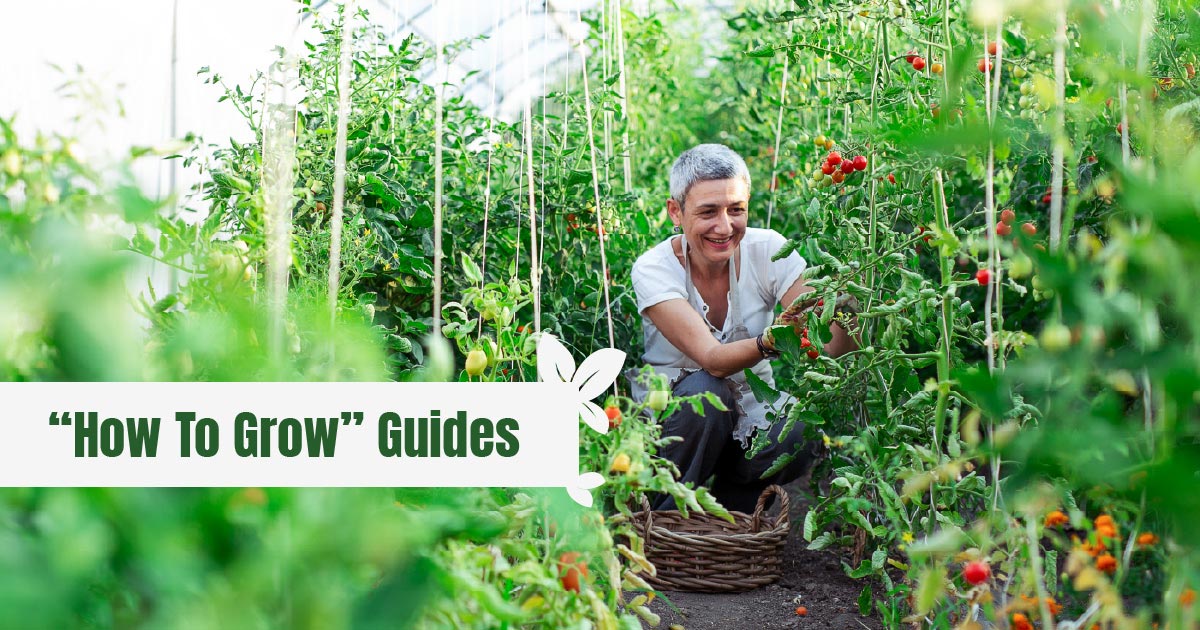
[705, 162]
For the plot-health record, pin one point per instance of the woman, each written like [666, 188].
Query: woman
[706, 296]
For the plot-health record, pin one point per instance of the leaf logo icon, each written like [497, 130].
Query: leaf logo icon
[596, 374]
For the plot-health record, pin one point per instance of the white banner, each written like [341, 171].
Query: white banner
[310, 434]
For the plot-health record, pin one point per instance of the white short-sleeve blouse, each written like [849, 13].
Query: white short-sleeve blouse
[658, 276]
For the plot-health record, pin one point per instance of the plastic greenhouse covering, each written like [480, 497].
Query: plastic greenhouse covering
[140, 59]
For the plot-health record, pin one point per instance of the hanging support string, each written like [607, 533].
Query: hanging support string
[339, 164]
[627, 158]
[527, 129]
[779, 130]
[487, 182]
[437, 170]
[587, 105]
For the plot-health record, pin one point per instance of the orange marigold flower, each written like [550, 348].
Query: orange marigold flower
[1104, 519]
[1146, 539]
[1187, 597]
[1056, 518]
[1021, 622]
[1032, 602]
[1106, 531]
[1107, 564]
[1094, 550]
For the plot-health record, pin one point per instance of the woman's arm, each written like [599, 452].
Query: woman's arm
[842, 342]
[686, 330]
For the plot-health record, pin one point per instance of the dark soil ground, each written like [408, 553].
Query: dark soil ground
[813, 579]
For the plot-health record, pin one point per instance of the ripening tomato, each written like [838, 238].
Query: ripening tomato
[838, 177]
[936, 68]
[1003, 229]
[620, 464]
[827, 168]
[829, 143]
[819, 140]
[1029, 228]
[992, 47]
[985, 65]
[1007, 216]
[571, 570]
[614, 416]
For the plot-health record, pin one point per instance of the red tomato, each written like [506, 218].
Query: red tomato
[1003, 229]
[812, 353]
[1008, 216]
[827, 168]
[985, 65]
[976, 573]
[992, 47]
[1029, 228]
[918, 64]
[983, 276]
[847, 167]
[834, 158]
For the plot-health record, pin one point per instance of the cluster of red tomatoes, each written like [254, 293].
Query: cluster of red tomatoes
[918, 63]
[1007, 218]
[838, 168]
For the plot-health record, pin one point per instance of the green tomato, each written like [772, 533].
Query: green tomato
[1055, 337]
[12, 162]
[476, 362]
[1020, 267]
[657, 400]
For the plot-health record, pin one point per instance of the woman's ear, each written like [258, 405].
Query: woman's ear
[676, 212]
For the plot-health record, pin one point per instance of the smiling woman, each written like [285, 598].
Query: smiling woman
[700, 295]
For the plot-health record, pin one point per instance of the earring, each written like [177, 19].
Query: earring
[677, 229]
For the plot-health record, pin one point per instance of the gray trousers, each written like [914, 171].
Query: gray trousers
[708, 448]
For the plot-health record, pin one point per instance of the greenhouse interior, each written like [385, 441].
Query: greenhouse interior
[901, 291]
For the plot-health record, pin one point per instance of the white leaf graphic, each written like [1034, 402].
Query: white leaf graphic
[581, 496]
[555, 363]
[590, 480]
[581, 492]
[594, 417]
[598, 372]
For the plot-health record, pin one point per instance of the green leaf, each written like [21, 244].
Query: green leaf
[471, 270]
[930, 588]
[762, 390]
[864, 601]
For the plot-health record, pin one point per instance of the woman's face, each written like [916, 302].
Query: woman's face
[713, 218]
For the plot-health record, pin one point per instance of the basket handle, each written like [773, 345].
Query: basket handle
[649, 523]
[784, 503]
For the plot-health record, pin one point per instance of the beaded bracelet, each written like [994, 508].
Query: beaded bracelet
[763, 350]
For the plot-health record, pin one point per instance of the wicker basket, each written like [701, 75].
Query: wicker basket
[706, 554]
